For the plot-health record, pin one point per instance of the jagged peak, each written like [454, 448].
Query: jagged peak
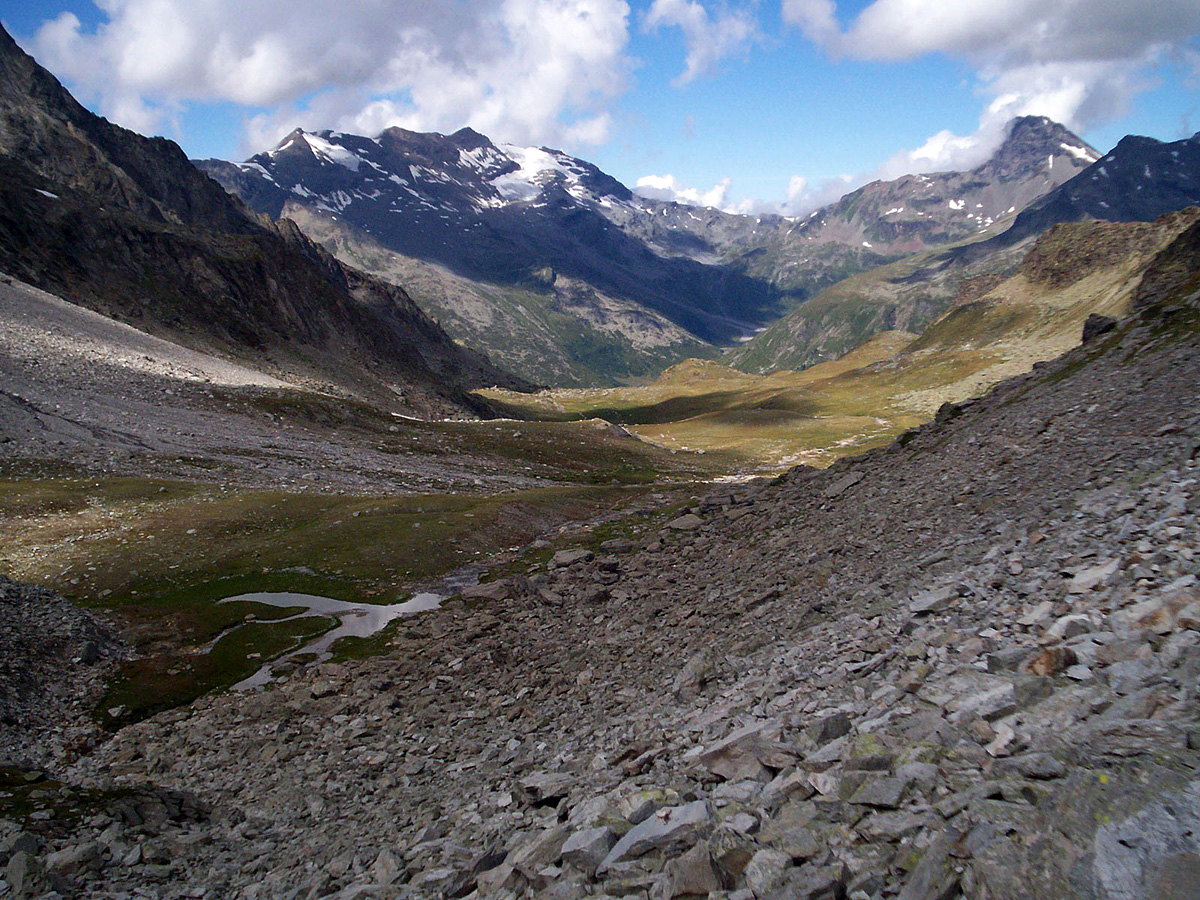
[469, 139]
[1032, 140]
[294, 139]
[293, 135]
[1026, 132]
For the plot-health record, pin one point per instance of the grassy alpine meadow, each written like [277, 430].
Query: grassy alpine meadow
[893, 382]
[156, 555]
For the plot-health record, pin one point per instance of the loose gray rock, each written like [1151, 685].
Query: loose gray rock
[586, 849]
[679, 826]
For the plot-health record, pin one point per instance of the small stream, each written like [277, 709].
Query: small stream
[355, 619]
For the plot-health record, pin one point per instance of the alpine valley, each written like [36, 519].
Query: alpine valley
[414, 517]
[566, 277]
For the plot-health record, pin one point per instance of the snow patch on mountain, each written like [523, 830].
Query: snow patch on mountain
[334, 153]
[1081, 153]
[536, 167]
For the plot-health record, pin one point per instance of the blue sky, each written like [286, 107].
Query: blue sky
[757, 105]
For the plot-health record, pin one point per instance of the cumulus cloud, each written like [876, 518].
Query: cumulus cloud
[947, 151]
[708, 39]
[666, 187]
[527, 71]
[1019, 32]
[817, 19]
[1079, 64]
[802, 198]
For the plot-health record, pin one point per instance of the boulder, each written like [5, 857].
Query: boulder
[691, 874]
[541, 788]
[882, 793]
[843, 484]
[586, 849]
[25, 875]
[539, 851]
[831, 727]
[789, 831]
[766, 871]
[566, 558]
[933, 600]
[676, 827]
[493, 591]
[1095, 325]
[1093, 577]
[74, 860]
[750, 752]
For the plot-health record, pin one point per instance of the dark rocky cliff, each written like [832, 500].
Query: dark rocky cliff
[127, 226]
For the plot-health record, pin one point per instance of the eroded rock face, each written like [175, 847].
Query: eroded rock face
[934, 682]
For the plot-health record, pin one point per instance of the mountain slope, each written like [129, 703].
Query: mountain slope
[897, 379]
[1140, 180]
[125, 225]
[553, 329]
[1137, 181]
[960, 666]
[506, 215]
[531, 248]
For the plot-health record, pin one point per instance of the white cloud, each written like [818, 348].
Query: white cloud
[802, 198]
[1078, 63]
[666, 187]
[708, 39]
[815, 18]
[947, 151]
[797, 187]
[1075, 62]
[527, 71]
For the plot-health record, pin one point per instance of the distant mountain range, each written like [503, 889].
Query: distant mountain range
[376, 262]
[1140, 180]
[533, 224]
[125, 225]
[563, 274]
[1137, 181]
[888, 220]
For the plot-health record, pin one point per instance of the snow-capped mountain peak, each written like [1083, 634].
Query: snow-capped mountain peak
[410, 171]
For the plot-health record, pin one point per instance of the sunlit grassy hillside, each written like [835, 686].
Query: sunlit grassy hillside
[893, 382]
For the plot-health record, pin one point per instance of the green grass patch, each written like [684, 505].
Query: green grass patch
[353, 647]
[162, 681]
[157, 556]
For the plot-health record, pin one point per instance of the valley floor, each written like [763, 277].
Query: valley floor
[963, 664]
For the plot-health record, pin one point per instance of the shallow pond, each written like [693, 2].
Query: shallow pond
[355, 619]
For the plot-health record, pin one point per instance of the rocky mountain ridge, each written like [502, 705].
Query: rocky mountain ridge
[887, 220]
[1138, 181]
[125, 225]
[541, 234]
[527, 218]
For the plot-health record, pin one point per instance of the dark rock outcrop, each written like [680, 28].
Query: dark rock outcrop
[125, 225]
